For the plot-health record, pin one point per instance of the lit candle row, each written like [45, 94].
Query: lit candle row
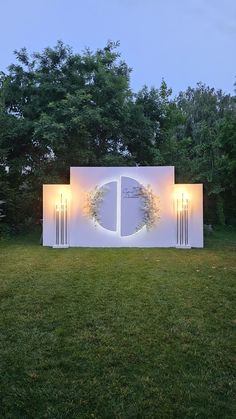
[182, 209]
[61, 222]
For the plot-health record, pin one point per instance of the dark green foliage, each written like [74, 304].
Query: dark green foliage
[60, 109]
[209, 120]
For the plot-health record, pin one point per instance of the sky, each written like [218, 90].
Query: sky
[182, 41]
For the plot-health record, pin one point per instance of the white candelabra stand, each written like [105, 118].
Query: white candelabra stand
[61, 223]
[182, 221]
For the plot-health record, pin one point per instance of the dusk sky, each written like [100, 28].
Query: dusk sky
[182, 41]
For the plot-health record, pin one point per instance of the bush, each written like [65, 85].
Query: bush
[5, 231]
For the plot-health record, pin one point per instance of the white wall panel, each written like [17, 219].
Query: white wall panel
[119, 214]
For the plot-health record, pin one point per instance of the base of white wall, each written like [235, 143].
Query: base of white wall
[183, 247]
[60, 246]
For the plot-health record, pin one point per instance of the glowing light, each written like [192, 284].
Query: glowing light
[61, 222]
[182, 218]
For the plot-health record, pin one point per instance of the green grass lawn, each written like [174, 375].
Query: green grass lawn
[118, 333]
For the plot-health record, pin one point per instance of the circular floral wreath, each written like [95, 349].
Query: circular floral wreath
[93, 202]
[150, 205]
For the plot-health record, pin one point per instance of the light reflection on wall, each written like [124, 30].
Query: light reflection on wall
[65, 222]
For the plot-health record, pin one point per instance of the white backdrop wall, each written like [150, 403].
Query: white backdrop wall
[120, 215]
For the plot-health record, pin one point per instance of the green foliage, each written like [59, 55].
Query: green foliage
[208, 113]
[1, 210]
[60, 109]
[5, 231]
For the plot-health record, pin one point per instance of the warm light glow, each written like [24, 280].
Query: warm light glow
[182, 208]
[183, 202]
[56, 209]
[129, 202]
[61, 221]
[179, 194]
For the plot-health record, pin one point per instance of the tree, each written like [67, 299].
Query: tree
[208, 115]
[60, 109]
[148, 113]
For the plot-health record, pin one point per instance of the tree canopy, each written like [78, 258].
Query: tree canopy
[60, 109]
